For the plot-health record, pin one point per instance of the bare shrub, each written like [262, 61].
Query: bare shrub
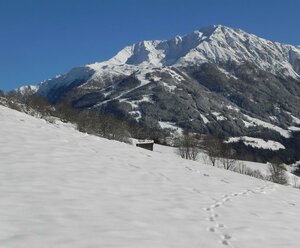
[212, 145]
[241, 168]
[277, 173]
[295, 181]
[188, 146]
[254, 173]
[226, 157]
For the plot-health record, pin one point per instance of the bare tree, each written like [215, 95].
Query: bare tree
[243, 169]
[277, 173]
[188, 146]
[240, 168]
[212, 145]
[226, 157]
[295, 182]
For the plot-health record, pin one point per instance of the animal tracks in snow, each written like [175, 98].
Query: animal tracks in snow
[213, 216]
[215, 226]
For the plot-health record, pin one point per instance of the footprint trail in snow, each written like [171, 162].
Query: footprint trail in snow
[213, 216]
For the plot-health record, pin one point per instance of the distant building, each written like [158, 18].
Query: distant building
[146, 144]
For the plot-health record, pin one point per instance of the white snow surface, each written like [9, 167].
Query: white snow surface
[170, 125]
[29, 88]
[254, 121]
[294, 129]
[61, 188]
[295, 119]
[219, 116]
[234, 108]
[248, 124]
[203, 117]
[170, 88]
[257, 143]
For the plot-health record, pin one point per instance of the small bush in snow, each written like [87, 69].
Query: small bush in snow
[226, 157]
[240, 168]
[254, 173]
[277, 173]
[188, 146]
[295, 182]
[243, 169]
[212, 145]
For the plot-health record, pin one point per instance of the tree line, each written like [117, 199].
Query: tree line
[218, 153]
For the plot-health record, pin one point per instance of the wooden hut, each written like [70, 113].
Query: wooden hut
[146, 144]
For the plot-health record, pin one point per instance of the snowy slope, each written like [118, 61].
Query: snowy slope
[62, 188]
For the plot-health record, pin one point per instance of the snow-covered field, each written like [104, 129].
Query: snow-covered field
[61, 188]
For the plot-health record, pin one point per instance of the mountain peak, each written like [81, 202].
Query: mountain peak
[208, 30]
[217, 28]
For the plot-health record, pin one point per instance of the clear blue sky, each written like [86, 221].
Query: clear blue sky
[42, 38]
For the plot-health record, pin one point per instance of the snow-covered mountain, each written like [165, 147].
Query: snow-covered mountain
[217, 79]
[62, 188]
[215, 44]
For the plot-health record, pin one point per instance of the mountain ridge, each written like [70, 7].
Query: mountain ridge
[201, 46]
